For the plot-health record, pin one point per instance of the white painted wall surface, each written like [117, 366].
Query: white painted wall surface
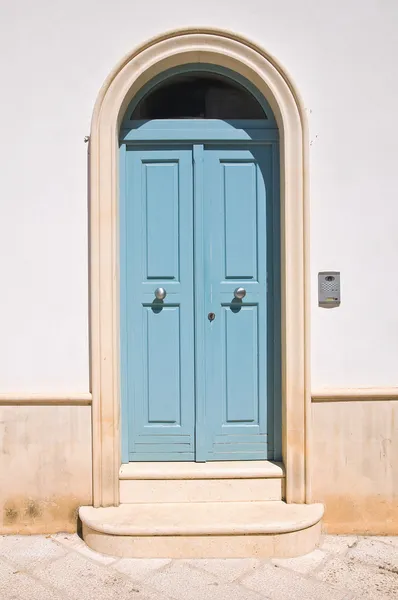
[54, 57]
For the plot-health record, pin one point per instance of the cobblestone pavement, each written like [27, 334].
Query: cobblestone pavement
[61, 567]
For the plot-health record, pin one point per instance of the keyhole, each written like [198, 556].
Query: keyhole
[211, 316]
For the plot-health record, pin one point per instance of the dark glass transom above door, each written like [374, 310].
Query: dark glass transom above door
[197, 95]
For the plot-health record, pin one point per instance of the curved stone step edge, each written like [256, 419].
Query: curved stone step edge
[105, 520]
[281, 545]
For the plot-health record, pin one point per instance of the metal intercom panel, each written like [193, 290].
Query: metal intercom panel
[329, 289]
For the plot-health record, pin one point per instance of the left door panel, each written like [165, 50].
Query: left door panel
[157, 336]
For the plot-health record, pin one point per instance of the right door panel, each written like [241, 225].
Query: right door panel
[237, 192]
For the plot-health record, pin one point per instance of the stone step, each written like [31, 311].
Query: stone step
[240, 481]
[203, 529]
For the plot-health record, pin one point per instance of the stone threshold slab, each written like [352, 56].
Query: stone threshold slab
[211, 470]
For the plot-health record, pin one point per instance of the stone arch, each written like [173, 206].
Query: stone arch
[263, 71]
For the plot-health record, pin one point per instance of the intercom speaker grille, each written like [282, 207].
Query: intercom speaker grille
[329, 289]
[329, 286]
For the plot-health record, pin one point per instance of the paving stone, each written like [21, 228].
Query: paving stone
[185, 583]
[17, 585]
[81, 579]
[62, 567]
[279, 584]
[338, 544]
[385, 539]
[226, 569]
[365, 582]
[302, 564]
[71, 541]
[374, 552]
[140, 568]
[29, 550]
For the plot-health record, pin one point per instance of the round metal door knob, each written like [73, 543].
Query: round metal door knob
[240, 293]
[160, 293]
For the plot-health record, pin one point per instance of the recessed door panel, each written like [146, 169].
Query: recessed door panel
[239, 195]
[161, 197]
[240, 367]
[162, 356]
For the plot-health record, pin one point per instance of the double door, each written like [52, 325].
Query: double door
[195, 320]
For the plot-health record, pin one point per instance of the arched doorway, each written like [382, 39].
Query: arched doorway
[269, 80]
[200, 270]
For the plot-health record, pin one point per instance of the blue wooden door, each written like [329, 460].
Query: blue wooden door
[194, 222]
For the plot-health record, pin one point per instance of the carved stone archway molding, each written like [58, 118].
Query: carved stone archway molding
[232, 51]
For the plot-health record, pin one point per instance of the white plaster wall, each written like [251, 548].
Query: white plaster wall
[54, 56]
